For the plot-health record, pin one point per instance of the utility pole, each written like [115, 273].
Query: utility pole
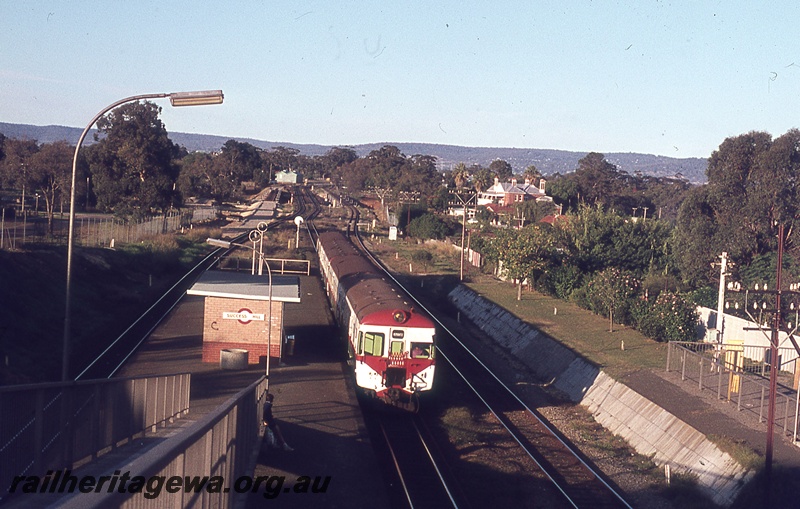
[464, 204]
[773, 371]
[723, 268]
[777, 324]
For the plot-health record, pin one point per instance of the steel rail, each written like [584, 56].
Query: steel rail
[410, 494]
[397, 466]
[435, 465]
[557, 436]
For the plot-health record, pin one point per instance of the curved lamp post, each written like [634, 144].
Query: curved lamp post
[176, 99]
[255, 235]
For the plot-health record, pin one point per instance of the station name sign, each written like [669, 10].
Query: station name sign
[243, 316]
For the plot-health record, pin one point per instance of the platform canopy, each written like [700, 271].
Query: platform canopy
[242, 285]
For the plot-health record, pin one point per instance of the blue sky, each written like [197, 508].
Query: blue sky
[667, 78]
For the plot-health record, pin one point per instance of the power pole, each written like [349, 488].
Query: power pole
[464, 204]
[723, 268]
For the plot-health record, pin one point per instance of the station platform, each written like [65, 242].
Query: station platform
[315, 402]
[319, 416]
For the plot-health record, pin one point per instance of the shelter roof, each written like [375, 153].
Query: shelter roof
[243, 285]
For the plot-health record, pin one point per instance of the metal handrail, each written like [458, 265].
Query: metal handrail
[57, 425]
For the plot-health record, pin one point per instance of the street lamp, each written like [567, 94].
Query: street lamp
[227, 245]
[298, 220]
[177, 99]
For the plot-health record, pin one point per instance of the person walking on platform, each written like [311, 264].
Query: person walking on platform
[272, 424]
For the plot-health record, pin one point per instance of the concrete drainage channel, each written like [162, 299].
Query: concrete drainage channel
[648, 428]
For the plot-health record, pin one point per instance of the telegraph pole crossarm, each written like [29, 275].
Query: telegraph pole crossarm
[772, 331]
[464, 204]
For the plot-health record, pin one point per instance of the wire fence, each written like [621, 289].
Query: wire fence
[98, 230]
[740, 374]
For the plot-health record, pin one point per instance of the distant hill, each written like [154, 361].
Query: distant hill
[546, 160]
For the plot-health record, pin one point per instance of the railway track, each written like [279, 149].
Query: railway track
[420, 477]
[577, 483]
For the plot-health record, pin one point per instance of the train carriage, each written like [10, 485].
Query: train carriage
[391, 345]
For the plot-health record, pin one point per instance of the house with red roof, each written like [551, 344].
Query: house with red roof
[508, 193]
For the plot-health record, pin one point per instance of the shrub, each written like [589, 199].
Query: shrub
[670, 318]
[422, 256]
[427, 226]
[562, 281]
[705, 296]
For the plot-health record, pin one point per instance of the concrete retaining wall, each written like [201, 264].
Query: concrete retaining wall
[648, 428]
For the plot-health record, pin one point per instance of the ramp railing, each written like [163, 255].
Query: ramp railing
[53, 426]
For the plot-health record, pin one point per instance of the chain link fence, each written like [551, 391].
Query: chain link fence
[97, 230]
[740, 374]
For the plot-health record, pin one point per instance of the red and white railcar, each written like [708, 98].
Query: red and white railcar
[391, 345]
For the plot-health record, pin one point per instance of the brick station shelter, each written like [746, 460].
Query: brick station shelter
[237, 312]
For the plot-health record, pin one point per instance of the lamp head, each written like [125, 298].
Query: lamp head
[196, 98]
[218, 243]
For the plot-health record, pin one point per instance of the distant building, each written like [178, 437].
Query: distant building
[288, 177]
[509, 193]
[555, 218]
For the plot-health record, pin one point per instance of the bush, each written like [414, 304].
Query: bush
[580, 296]
[427, 226]
[705, 296]
[654, 284]
[562, 281]
[422, 256]
[670, 318]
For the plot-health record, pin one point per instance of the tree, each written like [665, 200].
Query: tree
[16, 170]
[531, 174]
[753, 184]
[729, 177]
[564, 191]
[460, 175]
[596, 179]
[354, 175]
[481, 178]
[205, 176]
[242, 161]
[610, 289]
[134, 164]
[419, 175]
[279, 159]
[694, 248]
[337, 157]
[427, 226]
[524, 253]
[501, 169]
[386, 167]
[50, 174]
